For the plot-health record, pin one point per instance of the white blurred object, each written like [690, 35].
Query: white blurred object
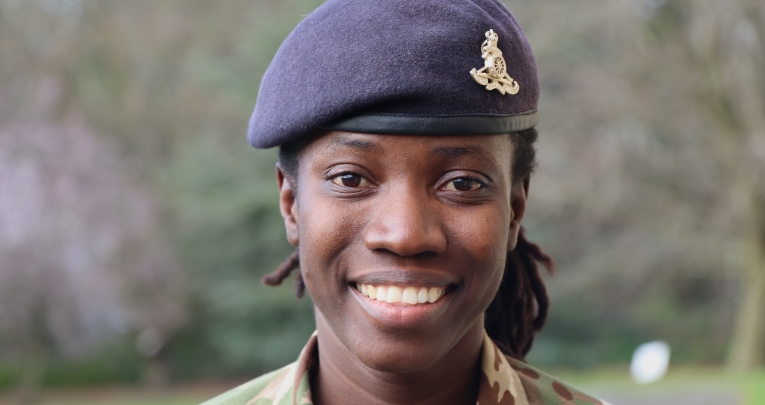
[149, 342]
[650, 362]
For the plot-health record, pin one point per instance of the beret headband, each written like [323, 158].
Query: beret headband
[420, 67]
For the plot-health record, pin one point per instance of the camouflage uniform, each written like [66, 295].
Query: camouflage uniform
[504, 381]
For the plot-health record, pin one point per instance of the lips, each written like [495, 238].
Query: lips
[404, 299]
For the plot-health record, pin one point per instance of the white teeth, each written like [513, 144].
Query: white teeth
[433, 294]
[422, 296]
[405, 295]
[409, 296]
[394, 295]
[382, 293]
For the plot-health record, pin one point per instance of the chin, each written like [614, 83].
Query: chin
[398, 355]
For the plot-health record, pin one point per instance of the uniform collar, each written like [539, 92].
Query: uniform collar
[500, 384]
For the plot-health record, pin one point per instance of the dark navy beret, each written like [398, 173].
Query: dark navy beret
[433, 67]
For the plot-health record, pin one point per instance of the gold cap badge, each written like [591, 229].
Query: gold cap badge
[493, 74]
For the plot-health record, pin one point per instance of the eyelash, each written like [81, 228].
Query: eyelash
[481, 184]
[336, 179]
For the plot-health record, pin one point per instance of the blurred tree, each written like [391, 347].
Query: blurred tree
[68, 211]
[705, 62]
[651, 179]
[82, 259]
[167, 81]
[720, 49]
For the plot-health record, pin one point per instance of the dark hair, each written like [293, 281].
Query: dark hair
[519, 310]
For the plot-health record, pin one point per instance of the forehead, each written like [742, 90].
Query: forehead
[492, 149]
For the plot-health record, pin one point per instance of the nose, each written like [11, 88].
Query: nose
[405, 224]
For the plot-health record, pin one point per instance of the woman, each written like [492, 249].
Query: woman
[406, 132]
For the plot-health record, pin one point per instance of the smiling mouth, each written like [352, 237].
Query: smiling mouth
[405, 296]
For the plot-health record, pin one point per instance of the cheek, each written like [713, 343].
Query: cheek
[485, 229]
[326, 231]
[483, 238]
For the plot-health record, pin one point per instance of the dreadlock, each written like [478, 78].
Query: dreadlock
[520, 308]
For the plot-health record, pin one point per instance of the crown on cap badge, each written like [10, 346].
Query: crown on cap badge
[493, 74]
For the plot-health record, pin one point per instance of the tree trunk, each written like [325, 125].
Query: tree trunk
[156, 373]
[748, 344]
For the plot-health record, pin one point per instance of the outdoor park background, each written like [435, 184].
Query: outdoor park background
[135, 221]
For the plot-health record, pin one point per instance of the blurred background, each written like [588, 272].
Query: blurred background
[136, 222]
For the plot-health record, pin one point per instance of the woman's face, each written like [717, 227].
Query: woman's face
[404, 219]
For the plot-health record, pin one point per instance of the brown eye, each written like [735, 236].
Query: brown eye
[463, 184]
[350, 180]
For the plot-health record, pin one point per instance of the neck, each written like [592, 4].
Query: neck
[342, 378]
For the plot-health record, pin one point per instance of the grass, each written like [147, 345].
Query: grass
[133, 402]
[177, 395]
[615, 382]
[754, 387]
[608, 382]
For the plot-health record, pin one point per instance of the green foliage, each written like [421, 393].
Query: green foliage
[9, 375]
[224, 199]
[117, 363]
[230, 232]
[582, 332]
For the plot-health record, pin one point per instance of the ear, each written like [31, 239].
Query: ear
[518, 208]
[288, 205]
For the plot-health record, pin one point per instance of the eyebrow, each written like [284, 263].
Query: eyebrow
[445, 152]
[350, 142]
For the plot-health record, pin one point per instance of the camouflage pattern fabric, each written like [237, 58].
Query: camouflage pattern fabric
[504, 381]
